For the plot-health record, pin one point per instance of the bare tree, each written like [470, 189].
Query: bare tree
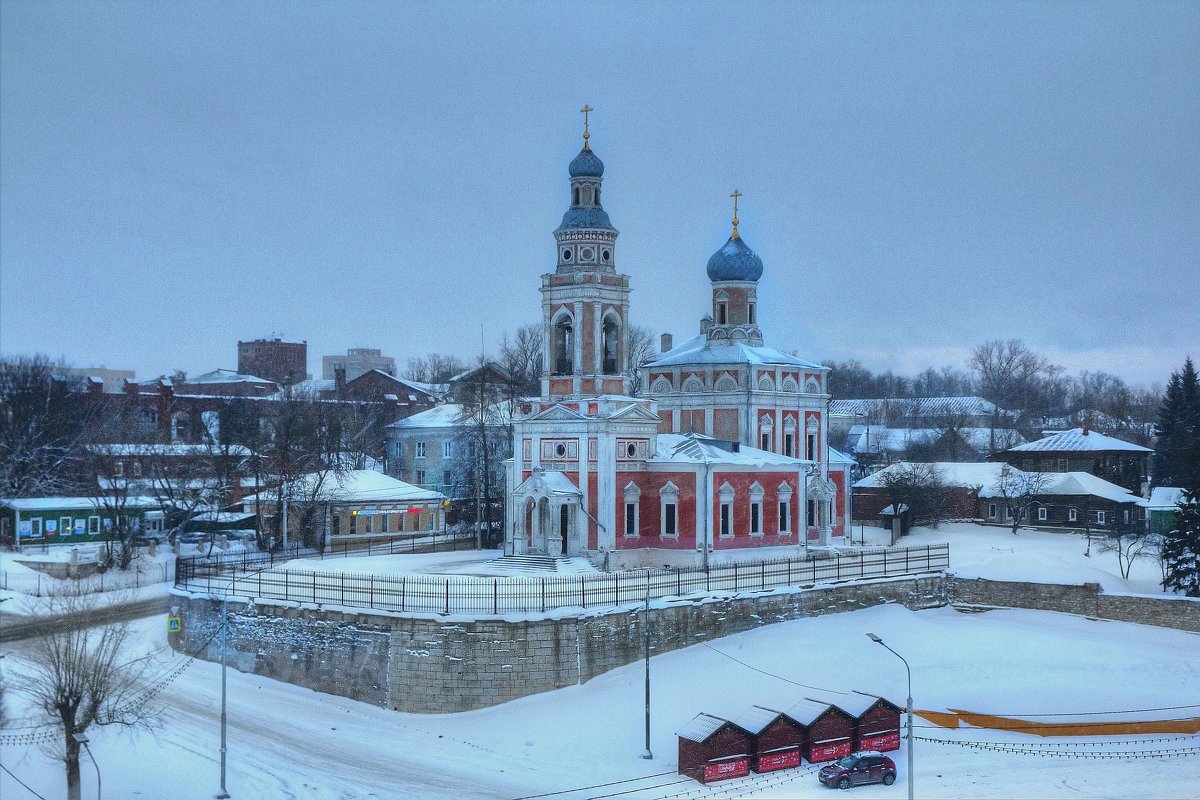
[434, 368]
[1129, 543]
[1015, 378]
[82, 675]
[482, 440]
[920, 487]
[1017, 492]
[640, 344]
[41, 424]
[521, 357]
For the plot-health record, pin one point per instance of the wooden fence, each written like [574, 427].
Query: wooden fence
[508, 595]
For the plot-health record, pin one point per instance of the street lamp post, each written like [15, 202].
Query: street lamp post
[909, 732]
[83, 740]
[224, 662]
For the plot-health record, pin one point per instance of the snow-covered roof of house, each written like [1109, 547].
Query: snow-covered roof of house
[168, 450]
[74, 503]
[228, 376]
[806, 711]
[1081, 484]
[838, 457]
[856, 703]
[896, 440]
[1078, 440]
[914, 406]
[700, 728]
[449, 415]
[755, 718]
[962, 474]
[1163, 498]
[353, 486]
[699, 350]
[694, 448]
[314, 386]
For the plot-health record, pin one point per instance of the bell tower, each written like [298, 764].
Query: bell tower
[585, 301]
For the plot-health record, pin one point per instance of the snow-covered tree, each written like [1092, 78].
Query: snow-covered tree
[1181, 548]
[1017, 491]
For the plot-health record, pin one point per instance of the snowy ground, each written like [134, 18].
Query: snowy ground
[287, 742]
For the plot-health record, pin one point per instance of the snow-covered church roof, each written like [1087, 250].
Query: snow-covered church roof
[699, 350]
[694, 448]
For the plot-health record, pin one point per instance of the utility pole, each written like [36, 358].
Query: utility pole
[284, 489]
[646, 625]
[224, 662]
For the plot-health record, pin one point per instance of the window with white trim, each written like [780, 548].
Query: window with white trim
[764, 440]
[632, 497]
[726, 516]
[1041, 513]
[1101, 518]
[668, 498]
[789, 442]
[446, 449]
[991, 510]
[1072, 515]
[784, 494]
[420, 476]
[756, 498]
[420, 451]
[811, 447]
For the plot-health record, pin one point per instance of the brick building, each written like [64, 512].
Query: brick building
[284, 361]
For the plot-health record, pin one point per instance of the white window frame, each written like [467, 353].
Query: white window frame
[725, 512]
[420, 476]
[1101, 518]
[633, 497]
[756, 509]
[784, 523]
[93, 527]
[668, 495]
[419, 450]
[991, 510]
[1041, 513]
[447, 449]
[1072, 515]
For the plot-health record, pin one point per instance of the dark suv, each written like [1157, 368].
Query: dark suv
[859, 768]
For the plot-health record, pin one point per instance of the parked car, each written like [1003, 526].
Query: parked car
[857, 769]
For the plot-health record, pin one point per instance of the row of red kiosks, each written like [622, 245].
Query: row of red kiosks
[764, 740]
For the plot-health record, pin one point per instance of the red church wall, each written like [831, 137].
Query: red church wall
[593, 509]
[839, 502]
[741, 482]
[650, 510]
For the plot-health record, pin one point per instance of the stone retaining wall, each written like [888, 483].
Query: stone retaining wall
[431, 665]
[1181, 613]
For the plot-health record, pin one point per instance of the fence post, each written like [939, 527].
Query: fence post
[906, 569]
[403, 594]
[582, 592]
[616, 588]
[762, 578]
[543, 580]
[447, 596]
[495, 595]
[736, 583]
[371, 592]
[343, 588]
[678, 583]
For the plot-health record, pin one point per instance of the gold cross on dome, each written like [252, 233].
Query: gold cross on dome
[736, 194]
[585, 111]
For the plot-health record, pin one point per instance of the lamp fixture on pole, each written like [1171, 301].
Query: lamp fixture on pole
[83, 740]
[909, 709]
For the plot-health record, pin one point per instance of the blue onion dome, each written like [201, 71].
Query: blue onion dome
[586, 165]
[735, 262]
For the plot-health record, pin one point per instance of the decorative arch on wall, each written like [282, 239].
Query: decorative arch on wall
[562, 342]
[766, 384]
[612, 344]
[726, 383]
[790, 385]
[693, 384]
[661, 386]
[811, 386]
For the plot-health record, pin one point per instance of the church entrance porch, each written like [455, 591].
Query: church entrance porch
[546, 523]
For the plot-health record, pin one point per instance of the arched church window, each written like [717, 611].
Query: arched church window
[751, 314]
[612, 347]
[564, 346]
[722, 313]
[597, 195]
[576, 195]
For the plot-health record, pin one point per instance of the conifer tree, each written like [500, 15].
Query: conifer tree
[1181, 548]
[1177, 453]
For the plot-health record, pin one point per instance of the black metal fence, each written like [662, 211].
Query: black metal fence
[462, 594]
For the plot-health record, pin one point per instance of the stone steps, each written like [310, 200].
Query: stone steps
[530, 562]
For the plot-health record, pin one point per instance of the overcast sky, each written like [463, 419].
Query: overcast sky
[918, 177]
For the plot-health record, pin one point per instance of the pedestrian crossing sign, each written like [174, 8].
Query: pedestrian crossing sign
[174, 624]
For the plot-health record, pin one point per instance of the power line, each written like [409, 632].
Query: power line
[771, 674]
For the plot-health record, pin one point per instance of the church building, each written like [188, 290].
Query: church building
[727, 456]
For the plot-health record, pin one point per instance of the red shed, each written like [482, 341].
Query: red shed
[777, 738]
[876, 721]
[829, 730]
[713, 749]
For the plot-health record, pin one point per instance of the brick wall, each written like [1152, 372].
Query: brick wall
[431, 665]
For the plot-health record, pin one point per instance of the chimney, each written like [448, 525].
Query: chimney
[339, 379]
[706, 323]
[1085, 429]
[664, 343]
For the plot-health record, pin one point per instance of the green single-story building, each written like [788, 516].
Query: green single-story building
[72, 520]
[1162, 508]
